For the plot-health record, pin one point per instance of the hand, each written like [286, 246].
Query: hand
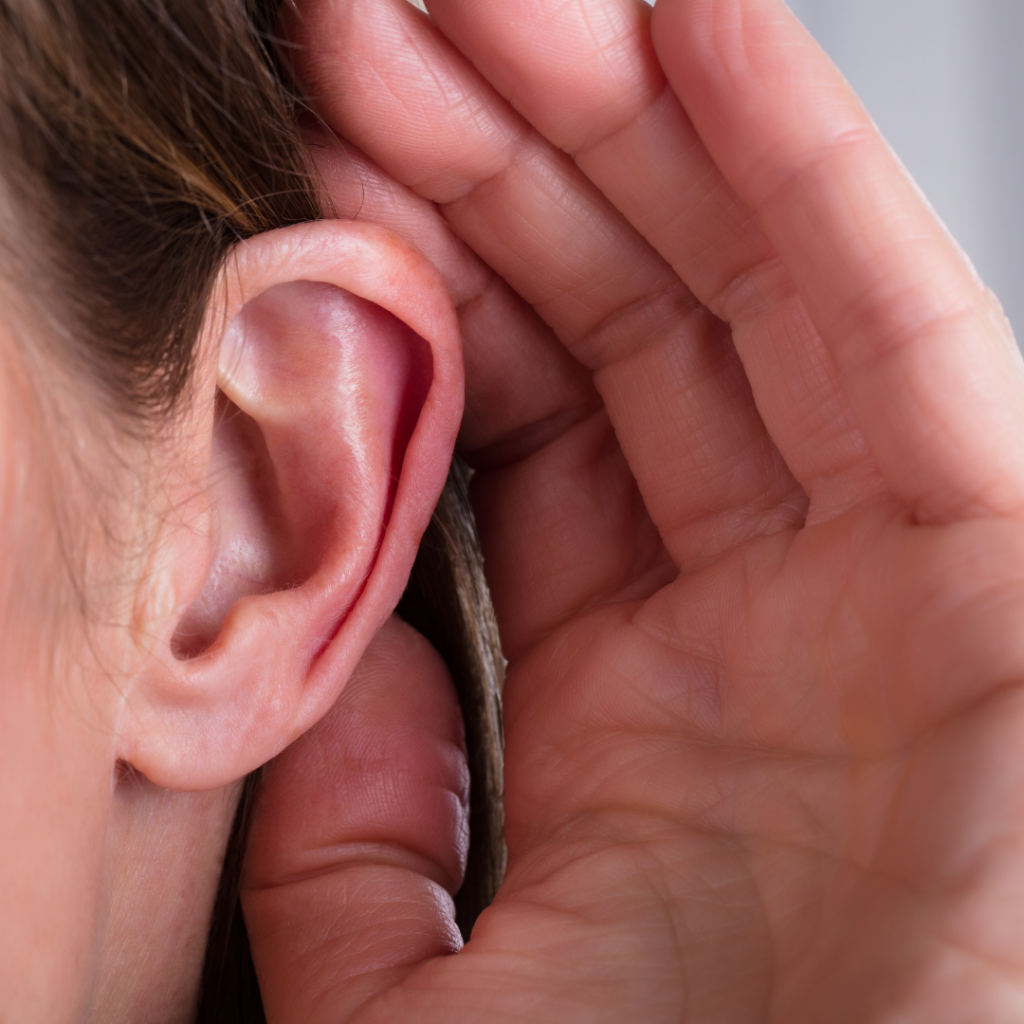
[750, 481]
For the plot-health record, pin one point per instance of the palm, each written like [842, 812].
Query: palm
[782, 809]
[759, 721]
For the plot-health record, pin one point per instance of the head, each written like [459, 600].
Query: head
[224, 423]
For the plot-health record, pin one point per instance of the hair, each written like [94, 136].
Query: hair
[141, 141]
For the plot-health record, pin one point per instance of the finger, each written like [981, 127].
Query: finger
[359, 838]
[677, 396]
[522, 387]
[523, 391]
[587, 77]
[924, 354]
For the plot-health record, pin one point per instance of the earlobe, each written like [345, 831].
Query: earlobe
[326, 412]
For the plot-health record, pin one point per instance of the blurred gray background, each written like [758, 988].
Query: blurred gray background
[944, 79]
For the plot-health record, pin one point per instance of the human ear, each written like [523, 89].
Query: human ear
[327, 398]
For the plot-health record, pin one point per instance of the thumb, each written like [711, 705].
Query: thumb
[359, 838]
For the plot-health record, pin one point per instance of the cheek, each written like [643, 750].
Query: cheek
[52, 798]
[54, 771]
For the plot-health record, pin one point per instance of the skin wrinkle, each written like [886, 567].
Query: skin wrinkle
[604, 48]
[1000, 964]
[706, 438]
[712, 196]
[696, 737]
[885, 327]
[680, 947]
[513, 133]
[752, 290]
[708, 373]
[531, 438]
[713, 807]
[645, 106]
[366, 853]
[754, 873]
[548, 28]
[510, 158]
[973, 497]
[720, 466]
[810, 165]
[683, 946]
[648, 310]
[540, 244]
[418, 186]
[815, 392]
[482, 280]
[785, 512]
[548, 178]
[920, 417]
[539, 510]
[473, 104]
[513, 160]
[778, 927]
[749, 845]
[913, 748]
[897, 336]
[692, 264]
[828, 403]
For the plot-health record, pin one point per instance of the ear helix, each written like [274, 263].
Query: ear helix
[323, 392]
[341, 381]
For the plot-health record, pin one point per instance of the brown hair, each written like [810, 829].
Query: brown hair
[141, 140]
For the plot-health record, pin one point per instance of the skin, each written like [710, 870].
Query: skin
[750, 486]
[750, 483]
[232, 588]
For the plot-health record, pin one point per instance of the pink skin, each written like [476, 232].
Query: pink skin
[750, 485]
[259, 548]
